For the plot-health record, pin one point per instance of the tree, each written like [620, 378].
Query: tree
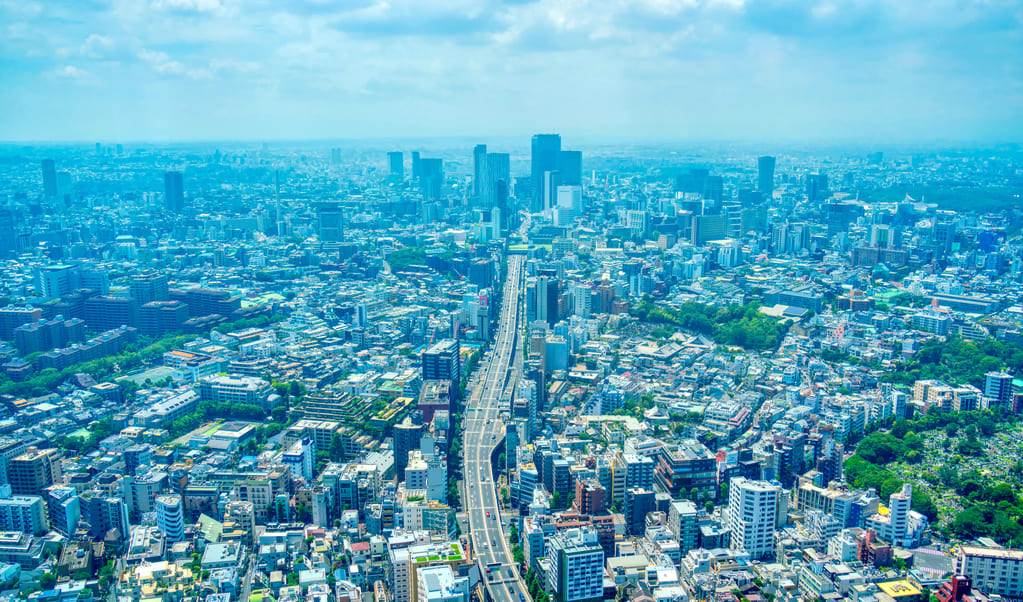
[556, 500]
[505, 496]
[336, 451]
[47, 581]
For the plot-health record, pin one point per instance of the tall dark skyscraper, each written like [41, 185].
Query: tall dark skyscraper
[544, 158]
[497, 169]
[49, 178]
[396, 162]
[570, 164]
[329, 222]
[479, 169]
[417, 169]
[765, 177]
[174, 191]
[431, 178]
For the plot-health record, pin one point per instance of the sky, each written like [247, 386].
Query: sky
[792, 70]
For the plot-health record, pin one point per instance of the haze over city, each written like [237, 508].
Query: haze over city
[695, 70]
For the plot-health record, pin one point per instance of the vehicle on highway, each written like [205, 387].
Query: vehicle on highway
[522, 597]
[488, 513]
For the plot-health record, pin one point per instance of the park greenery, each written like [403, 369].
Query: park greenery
[739, 325]
[134, 356]
[871, 465]
[957, 361]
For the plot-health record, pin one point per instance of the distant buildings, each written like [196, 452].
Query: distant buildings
[174, 191]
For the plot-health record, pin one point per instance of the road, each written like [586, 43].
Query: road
[483, 431]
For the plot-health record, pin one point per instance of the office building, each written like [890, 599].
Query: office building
[494, 185]
[301, 458]
[407, 436]
[33, 471]
[998, 389]
[574, 566]
[638, 502]
[570, 166]
[106, 313]
[149, 286]
[49, 178]
[158, 318]
[442, 361]
[12, 317]
[992, 570]
[765, 177]
[22, 513]
[431, 179]
[104, 514]
[329, 226]
[247, 390]
[63, 508]
[816, 187]
[753, 508]
[174, 191]
[479, 167]
[682, 521]
[396, 164]
[417, 168]
[169, 517]
[545, 151]
[55, 280]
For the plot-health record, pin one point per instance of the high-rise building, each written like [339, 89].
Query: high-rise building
[682, 520]
[170, 517]
[543, 158]
[417, 168]
[407, 436]
[64, 509]
[55, 280]
[765, 177]
[496, 175]
[570, 164]
[442, 361]
[479, 169]
[329, 223]
[148, 286]
[396, 163]
[576, 566]
[753, 508]
[49, 178]
[714, 188]
[174, 191]
[638, 502]
[893, 527]
[431, 179]
[816, 187]
[33, 471]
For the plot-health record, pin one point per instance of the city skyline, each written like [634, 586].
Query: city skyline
[221, 69]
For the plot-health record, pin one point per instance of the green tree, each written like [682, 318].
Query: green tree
[47, 581]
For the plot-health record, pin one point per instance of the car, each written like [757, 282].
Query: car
[488, 513]
[522, 597]
[511, 590]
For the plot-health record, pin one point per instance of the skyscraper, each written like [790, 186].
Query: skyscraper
[546, 149]
[479, 169]
[431, 178]
[416, 167]
[497, 169]
[396, 161]
[174, 191]
[49, 178]
[570, 164]
[765, 176]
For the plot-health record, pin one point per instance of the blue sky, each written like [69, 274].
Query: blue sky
[831, 70]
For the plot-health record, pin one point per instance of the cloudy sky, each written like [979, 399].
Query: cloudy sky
[870, 70]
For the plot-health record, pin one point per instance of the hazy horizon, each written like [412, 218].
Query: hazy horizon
[866, 71]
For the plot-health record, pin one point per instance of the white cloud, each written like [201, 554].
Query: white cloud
[199, 6]
[71, 72]
[163, 64]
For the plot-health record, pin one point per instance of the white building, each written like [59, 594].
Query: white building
[170, 517]
[439, 584]
[753, 508]
[893, 527]
[301, 457]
